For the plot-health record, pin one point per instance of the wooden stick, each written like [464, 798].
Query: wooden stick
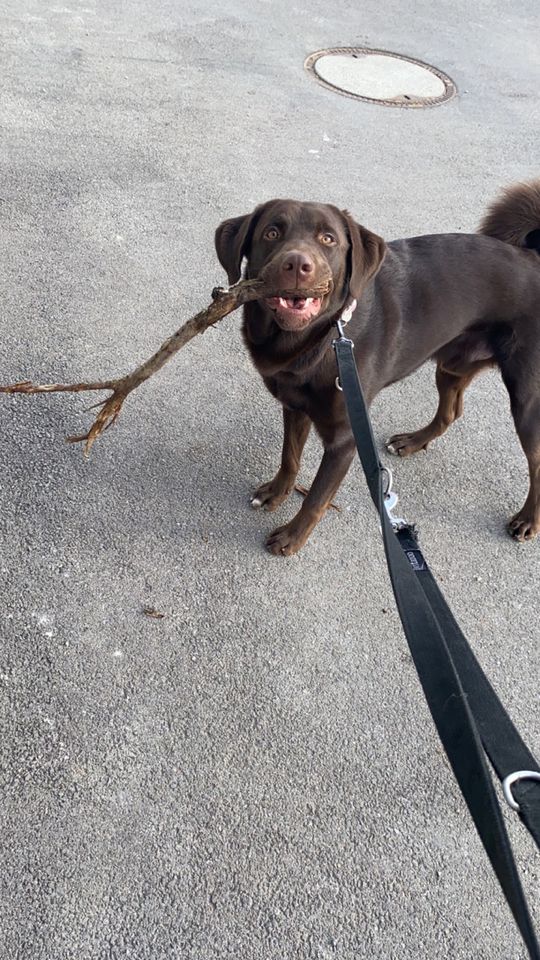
[303, 491]
[224, 301]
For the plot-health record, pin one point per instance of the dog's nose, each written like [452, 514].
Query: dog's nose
[297, 265]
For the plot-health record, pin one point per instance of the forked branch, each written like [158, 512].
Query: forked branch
[224, 302]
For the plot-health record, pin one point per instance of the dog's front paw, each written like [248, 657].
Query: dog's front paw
[405, 444]
[524, 526]
[286, 540]
[272, 494]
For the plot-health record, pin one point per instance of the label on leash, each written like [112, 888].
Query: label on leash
[416, 560]
[408, 539]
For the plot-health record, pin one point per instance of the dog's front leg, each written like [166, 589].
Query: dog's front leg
[296, 427]
[334, 465]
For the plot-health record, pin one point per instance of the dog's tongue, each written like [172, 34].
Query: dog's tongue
[294, 312]
[293, 303]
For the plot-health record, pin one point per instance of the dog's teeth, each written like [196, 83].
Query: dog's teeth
[255, 502]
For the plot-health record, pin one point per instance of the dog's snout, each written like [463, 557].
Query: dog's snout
[298, 264]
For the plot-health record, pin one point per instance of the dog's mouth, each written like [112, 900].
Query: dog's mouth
[294, 313]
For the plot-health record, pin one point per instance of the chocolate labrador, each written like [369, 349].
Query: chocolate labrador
[467, 301]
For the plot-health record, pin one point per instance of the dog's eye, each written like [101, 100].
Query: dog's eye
[328, 238]
[271, 234]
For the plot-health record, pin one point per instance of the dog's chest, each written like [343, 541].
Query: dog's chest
[290, 391]
[315, 398]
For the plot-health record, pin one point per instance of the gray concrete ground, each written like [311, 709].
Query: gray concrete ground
[254, 776]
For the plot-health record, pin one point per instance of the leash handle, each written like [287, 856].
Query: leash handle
[445, 695]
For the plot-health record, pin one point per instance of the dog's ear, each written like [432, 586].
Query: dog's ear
[232, 242]
[366, 254]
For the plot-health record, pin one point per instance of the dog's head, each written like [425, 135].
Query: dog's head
[298, 246]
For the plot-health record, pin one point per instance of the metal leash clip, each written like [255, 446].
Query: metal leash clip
[345, 317]
[391, 502]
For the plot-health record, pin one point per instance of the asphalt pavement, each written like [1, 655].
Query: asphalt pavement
[253, 775]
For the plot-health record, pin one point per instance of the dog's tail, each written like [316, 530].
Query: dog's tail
[515, 216]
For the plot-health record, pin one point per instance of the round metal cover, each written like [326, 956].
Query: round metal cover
[379, 76]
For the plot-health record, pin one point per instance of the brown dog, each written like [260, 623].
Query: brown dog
[466, 301]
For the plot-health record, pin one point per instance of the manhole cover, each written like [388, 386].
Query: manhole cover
[380, 77]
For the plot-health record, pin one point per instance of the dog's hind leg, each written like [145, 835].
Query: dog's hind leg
[451, 387]
[521, 374]
[525, 525]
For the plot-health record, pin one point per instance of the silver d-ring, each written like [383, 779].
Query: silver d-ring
[513, 778]
[338, 385]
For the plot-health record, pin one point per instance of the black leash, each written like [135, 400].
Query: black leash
[470, 719]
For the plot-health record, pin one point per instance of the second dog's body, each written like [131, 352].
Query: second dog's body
[467, 301]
